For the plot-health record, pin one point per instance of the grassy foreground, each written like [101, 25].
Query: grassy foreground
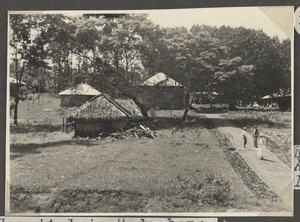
[183, 170]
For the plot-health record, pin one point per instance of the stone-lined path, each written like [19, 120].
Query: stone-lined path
[271, 170]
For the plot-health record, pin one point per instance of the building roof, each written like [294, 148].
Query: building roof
[81, 89]
[14, 81]
[267, 97]
[160, 79]
[131, 106]
[101, 107]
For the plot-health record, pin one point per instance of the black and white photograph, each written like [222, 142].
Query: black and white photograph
[171, 111]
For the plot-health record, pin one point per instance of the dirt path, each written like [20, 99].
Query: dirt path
[272, 171]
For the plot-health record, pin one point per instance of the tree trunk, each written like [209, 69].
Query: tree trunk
[141, 106]
[187, 105]
[17, 99]
[232, 106]
[186, 110]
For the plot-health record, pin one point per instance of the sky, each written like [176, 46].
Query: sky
[249, 17]
[274, 20]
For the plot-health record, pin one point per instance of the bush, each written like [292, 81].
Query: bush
[209, 189]
[216, 191]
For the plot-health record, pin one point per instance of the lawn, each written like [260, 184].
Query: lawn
[183, 170]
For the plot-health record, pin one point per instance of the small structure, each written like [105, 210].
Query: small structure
[267, 101]
[283, 102]
[101, 114]
[162, 92]
[13, 84]
[78, 95]
[13, 81]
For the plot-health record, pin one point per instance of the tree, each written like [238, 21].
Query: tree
[193, 58]
[270, 57]
[233, 81]
[58, 33]
[115, 48]
[25, 51]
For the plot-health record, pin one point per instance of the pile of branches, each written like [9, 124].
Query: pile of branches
[137, 131]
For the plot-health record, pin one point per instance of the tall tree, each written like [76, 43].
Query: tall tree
[270, 57]
[26, 50]
[233, 81]
[115, 49]
[193, 57]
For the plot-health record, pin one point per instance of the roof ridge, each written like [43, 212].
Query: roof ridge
[116, 104]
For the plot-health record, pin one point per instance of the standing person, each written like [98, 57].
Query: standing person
[244, 136]
[261, 146]
[255, 136]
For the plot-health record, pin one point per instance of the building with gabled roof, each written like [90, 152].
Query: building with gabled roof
[161, 92]
[77, 95]
[160, 79]
[101, 114]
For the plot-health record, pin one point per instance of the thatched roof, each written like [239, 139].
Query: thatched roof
[131, 106]
[101, 107]
[81, 89]
[160, 79]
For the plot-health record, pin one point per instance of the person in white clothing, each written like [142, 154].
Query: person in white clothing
[261, 146]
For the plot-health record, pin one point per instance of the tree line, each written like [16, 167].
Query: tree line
[114, 53]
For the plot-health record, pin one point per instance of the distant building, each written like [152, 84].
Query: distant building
[13, 81]
[78, 95]
[267, 101]
[283, 102]
[162, 92]
[101, 114]
[13, 84]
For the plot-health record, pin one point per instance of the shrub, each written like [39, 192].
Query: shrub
[209, 189]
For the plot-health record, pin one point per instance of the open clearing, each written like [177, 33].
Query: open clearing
[185, 169]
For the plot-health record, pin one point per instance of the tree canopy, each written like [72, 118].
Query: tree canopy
[115, 53]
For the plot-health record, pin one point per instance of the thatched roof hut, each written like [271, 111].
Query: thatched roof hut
[77, 95]
[101, 114]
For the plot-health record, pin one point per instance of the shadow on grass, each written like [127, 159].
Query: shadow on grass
[19, 150]
[210, 110]
[160, 123]
[34, 128]
[267, 160]
[251, 122]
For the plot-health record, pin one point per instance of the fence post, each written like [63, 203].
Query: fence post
[63, 124]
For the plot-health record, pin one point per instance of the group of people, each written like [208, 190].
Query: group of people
[258, 141]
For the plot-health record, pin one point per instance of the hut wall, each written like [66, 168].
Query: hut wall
[93, 129]
[74, 100]
[284, 103]
[162, 97]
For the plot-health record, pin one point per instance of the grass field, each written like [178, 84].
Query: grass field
[183, 170]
